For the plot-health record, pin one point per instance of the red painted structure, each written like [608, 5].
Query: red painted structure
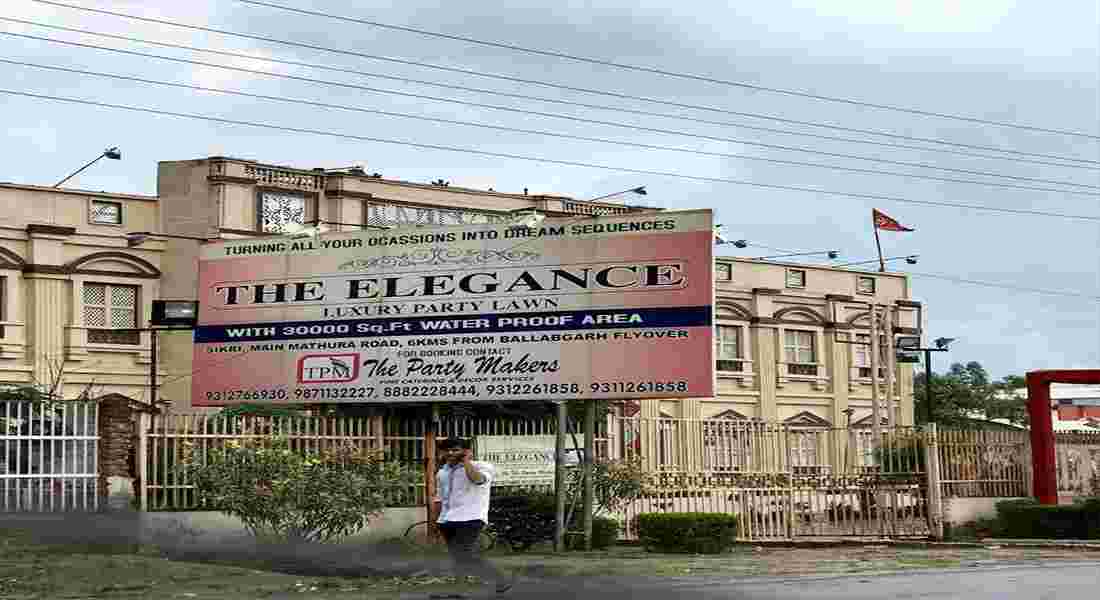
[1044, 471]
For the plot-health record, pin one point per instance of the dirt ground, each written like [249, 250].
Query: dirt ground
[32, 570]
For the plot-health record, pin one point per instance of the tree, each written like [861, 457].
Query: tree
[966, 392]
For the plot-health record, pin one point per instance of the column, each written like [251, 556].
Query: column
[48, 318]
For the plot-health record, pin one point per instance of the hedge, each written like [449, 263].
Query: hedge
[1029, 519]
[693, 533]
[605, 532]
[522, 520]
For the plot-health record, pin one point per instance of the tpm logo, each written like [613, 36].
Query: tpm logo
[328, 368]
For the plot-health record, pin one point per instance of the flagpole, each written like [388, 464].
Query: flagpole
[878, 244]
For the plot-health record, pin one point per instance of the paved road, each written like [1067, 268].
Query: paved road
[1064, 581]
[1049, 581]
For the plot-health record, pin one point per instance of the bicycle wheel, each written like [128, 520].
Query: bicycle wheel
[423, 535]
[487, 540]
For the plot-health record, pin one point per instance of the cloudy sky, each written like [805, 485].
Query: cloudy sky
[1027, 62]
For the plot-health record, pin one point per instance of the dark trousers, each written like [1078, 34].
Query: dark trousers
[462, 543]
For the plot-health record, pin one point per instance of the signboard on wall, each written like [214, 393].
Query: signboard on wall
[521, 460]
[606, 307]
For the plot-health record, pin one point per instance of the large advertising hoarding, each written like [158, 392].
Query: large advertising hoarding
[605, 307]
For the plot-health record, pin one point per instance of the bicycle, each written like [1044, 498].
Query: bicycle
[425, 534]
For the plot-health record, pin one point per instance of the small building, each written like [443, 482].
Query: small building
[72, 293]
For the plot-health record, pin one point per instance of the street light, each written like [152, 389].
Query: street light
[640, 190]
[911, 259]
[112, 153]
[832, 254]
[137, 238]
[941, 346]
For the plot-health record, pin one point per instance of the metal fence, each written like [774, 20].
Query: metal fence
[985, 464]
[49, 456]
[162, 439]
[782, 481]
[1078, 463]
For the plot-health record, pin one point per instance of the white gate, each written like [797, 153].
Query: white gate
[49, 456]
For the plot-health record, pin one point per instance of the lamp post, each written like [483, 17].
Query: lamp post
[832, 254]
[941, 346]
[112, 153]
[640, 190]
[910, 259]
[137, 238]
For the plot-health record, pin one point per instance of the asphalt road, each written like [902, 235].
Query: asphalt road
[1064, 581]
[1061, 581]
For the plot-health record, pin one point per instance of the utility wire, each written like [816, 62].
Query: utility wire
[522, 80]
[568, 163]
[289, 100]
[569, 102]
[663, 72]
[1047, 292]
[566, 117]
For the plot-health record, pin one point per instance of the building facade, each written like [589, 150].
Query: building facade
[73, 295]
[75, 291]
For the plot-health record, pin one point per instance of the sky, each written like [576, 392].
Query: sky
[1025, 62]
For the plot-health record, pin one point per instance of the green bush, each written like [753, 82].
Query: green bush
[522, 520]
[694, 533]
[296, 496]
[605, 532]
[1029, 519]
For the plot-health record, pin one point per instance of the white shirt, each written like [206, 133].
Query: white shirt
[467, 501]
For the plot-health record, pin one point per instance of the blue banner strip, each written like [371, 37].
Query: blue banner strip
[614, 318]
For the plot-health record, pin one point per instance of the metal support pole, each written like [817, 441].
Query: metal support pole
[928, 384]
[589, 451]
[153, 367]
[559, 476]
[876, 415]
[890, 367]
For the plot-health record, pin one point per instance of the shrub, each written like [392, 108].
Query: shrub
[523, 520]
[697, 533]
[614, 483]
[297, 496]
[1029, 519]
[605, 532]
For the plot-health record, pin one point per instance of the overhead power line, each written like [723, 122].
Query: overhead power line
[1016, 157]
[1046, 292]
[568, 163]
[664, 72]
[569, 118]
[530, 81]
[288, 100]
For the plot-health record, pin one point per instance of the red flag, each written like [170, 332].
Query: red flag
[882, 221]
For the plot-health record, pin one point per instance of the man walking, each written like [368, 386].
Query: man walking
[462, 503]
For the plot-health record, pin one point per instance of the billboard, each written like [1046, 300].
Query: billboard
[590, 307]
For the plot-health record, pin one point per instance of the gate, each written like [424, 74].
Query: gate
[1078, 464]
[786, 482]
[49, 456]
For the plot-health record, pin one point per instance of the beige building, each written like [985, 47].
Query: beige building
[72, 293]
[74, 290]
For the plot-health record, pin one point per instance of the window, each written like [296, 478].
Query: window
[727, 348]
[799, 353]
[110, 314]
[863, 356]
[803, 451]
[103, 212]
[279, 209]
[723, 272]
[865, 285]
[865, 448]
[726, 445]
[796, 278]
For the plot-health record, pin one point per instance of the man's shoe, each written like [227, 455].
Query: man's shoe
[504, 587]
